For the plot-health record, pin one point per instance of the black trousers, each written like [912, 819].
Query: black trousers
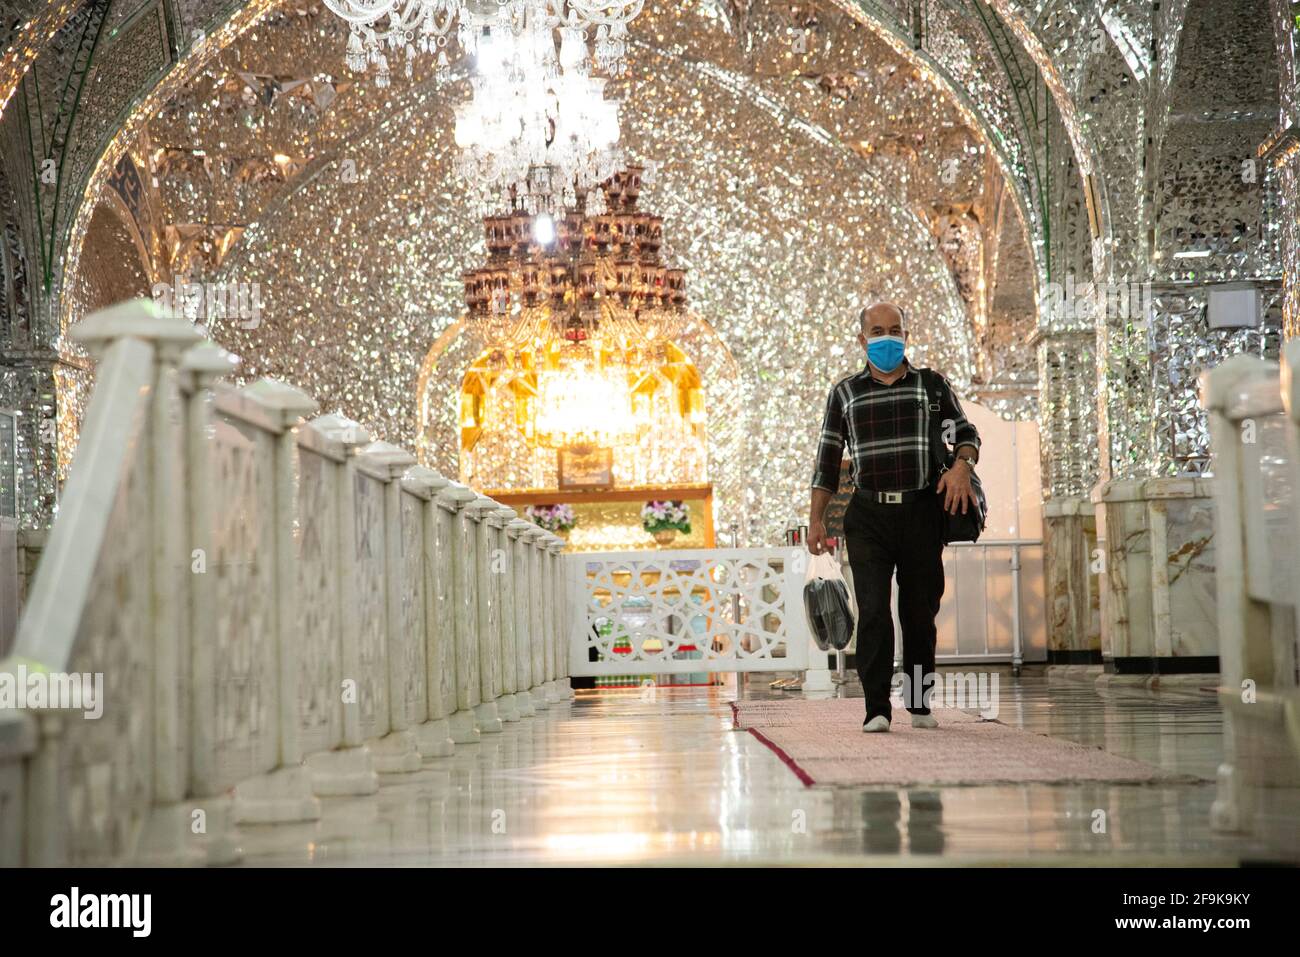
[882, 539]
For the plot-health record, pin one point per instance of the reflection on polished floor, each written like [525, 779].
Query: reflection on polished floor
[622, 777]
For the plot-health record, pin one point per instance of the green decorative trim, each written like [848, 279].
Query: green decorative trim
[1026, 92]
[1015, 167]
[64, 125]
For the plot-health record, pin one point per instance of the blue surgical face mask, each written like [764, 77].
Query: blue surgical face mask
[885, 352]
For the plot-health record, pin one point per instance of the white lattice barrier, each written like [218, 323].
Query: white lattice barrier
[280, 610]
[1254, 412]
[683, 611]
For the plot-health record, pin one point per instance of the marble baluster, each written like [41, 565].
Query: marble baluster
[286, 793]
[505, 575]
[546, 600]
[464, 722]
[167, 838]
[448, 603]
[349, 768]
[434, 735]
[122, 341]
[171, 565]
[207, 364]
[542, 611]
[1256, 580]
[559, 597]
[498, 570]
[396, 751]
[1238, 615]
[487, 713]
[517, 533]
[536, 638]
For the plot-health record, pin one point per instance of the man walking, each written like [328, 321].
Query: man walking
[894, 521]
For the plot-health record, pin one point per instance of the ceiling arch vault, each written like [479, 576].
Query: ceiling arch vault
[952, 153]
[846, 53]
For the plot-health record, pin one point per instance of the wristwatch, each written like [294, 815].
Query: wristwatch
[970, 462]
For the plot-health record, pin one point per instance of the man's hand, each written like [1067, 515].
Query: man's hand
[816, 543]
[954, 485]
[816, 537]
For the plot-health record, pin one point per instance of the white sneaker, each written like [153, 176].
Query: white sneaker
[878, 723]
[924, 721]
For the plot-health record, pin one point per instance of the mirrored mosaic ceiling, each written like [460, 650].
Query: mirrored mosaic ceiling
[1158, 104]
[792, 197]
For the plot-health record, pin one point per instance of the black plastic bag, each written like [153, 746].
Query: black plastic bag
[826, 601]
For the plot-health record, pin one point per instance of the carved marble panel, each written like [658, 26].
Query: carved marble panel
[441, 647]
[372, 605]
[243, 565]
[320, 681]
[410, 650]
[489, 610]
[106, 768]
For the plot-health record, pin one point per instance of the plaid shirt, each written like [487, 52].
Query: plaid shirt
[887, 428]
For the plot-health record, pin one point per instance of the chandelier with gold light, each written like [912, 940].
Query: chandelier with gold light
[582, 311]
[588, 275]
[538, 132]
[411, 28]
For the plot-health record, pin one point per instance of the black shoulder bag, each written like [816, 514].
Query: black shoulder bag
[962, 527]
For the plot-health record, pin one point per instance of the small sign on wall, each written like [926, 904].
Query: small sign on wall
[585, 469]
[1233, 307]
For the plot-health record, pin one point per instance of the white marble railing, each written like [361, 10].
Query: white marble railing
[993, 599]
[280, 610]
[688, 611]
[1254, 412]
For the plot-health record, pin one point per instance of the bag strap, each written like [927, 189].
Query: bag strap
[934, 401]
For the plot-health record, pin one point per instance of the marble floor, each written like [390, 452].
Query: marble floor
[621, 777]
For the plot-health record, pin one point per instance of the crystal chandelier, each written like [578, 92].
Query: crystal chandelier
[538, 132]
[591, 276]
[414, 27]
[586, 305]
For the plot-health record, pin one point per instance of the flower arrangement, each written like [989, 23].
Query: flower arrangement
[666, 516]
[558, 519]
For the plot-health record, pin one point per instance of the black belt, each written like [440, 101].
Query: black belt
[892, 498]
